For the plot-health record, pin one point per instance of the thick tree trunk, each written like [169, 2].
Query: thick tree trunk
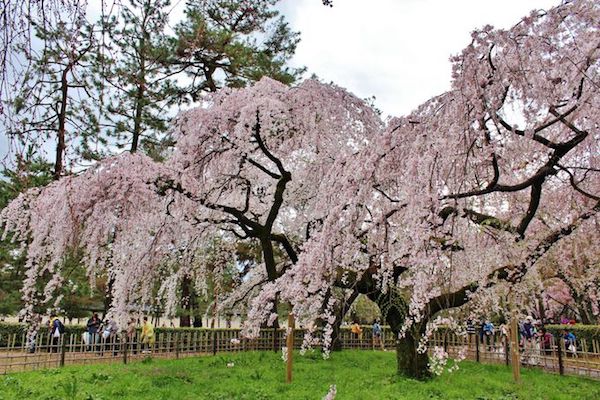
[139, 98]
[541, 308]
[108, 296]
[196, 310]
[62, 123]
[584, 308]
[186, 304]
[336, 343]
[410, 362]
[276, 343]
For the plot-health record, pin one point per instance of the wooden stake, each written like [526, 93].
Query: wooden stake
[290, 347]
[514, 346]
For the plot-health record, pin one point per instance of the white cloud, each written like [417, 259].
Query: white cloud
[396, 50]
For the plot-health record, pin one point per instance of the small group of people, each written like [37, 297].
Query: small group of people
[376, 331]
[535, 334]
[100, 332]
[534, 339]
[486, 332]
[107, 333]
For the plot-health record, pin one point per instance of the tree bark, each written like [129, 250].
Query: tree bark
[336, 343]
[62, 123]
[410, 362]
[186, 304]
[139, 98]
[196, 310]
[541, 308]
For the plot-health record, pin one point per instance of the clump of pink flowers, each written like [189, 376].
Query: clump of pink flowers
[331, 393]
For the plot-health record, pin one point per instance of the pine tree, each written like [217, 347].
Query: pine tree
[233, 43]
[139, 84]
[55, 101]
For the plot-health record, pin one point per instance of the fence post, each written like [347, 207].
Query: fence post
[177, 345]
[63, 349]
[477, 347]
[514, 344]
[561, 365]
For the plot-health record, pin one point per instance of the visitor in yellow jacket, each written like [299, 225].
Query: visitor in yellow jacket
[147, 334]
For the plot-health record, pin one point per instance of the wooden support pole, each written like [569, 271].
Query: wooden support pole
[514, 346]
[125, 343]
[506, 350]
[290, 347]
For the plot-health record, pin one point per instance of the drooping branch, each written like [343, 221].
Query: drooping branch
[576, 186]
[514, 273]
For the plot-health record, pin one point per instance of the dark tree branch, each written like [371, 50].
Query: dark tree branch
[264, 148]
[534, 202]
[263, 169]
[289, 249]
[479, 218]
[450, 300]
[377, 187]
[576, 186]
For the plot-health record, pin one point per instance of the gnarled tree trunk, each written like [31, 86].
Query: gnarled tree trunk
[186, 302]
[411, 363]
[336, 343]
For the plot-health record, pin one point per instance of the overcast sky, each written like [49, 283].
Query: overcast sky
[395, 50]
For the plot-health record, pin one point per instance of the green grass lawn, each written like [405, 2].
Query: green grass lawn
[260, 375]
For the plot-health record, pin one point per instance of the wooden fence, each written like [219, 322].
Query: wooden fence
[579, 358]
[20, 355]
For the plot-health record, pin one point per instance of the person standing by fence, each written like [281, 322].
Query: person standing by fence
[91, 332]
[528, 336]
[377, 340]
[488, 331]
[471, 331]
[131, 329]
[570, 342]
[56, 330]
[112, 330]
[147, 336]
[545, 341]
[356, 331]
